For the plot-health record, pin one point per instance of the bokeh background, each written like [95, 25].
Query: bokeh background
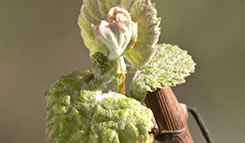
[40, 40]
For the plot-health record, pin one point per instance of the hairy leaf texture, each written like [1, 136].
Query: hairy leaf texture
[139, 50]
[169, 67]
[78, 112]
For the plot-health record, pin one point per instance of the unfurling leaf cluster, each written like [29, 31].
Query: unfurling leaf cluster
[122, 37]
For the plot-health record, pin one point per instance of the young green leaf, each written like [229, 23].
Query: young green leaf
[169, 67]
[78, 112]
[116, 28]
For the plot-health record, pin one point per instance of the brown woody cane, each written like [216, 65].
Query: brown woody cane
[171, 117]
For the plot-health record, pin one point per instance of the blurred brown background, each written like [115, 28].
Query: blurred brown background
[40, 40]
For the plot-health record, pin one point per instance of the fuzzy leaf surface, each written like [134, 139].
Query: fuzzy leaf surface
[169, 67]
[143, 13]
[79, 112]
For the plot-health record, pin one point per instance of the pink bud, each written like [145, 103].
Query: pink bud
[116, 31]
